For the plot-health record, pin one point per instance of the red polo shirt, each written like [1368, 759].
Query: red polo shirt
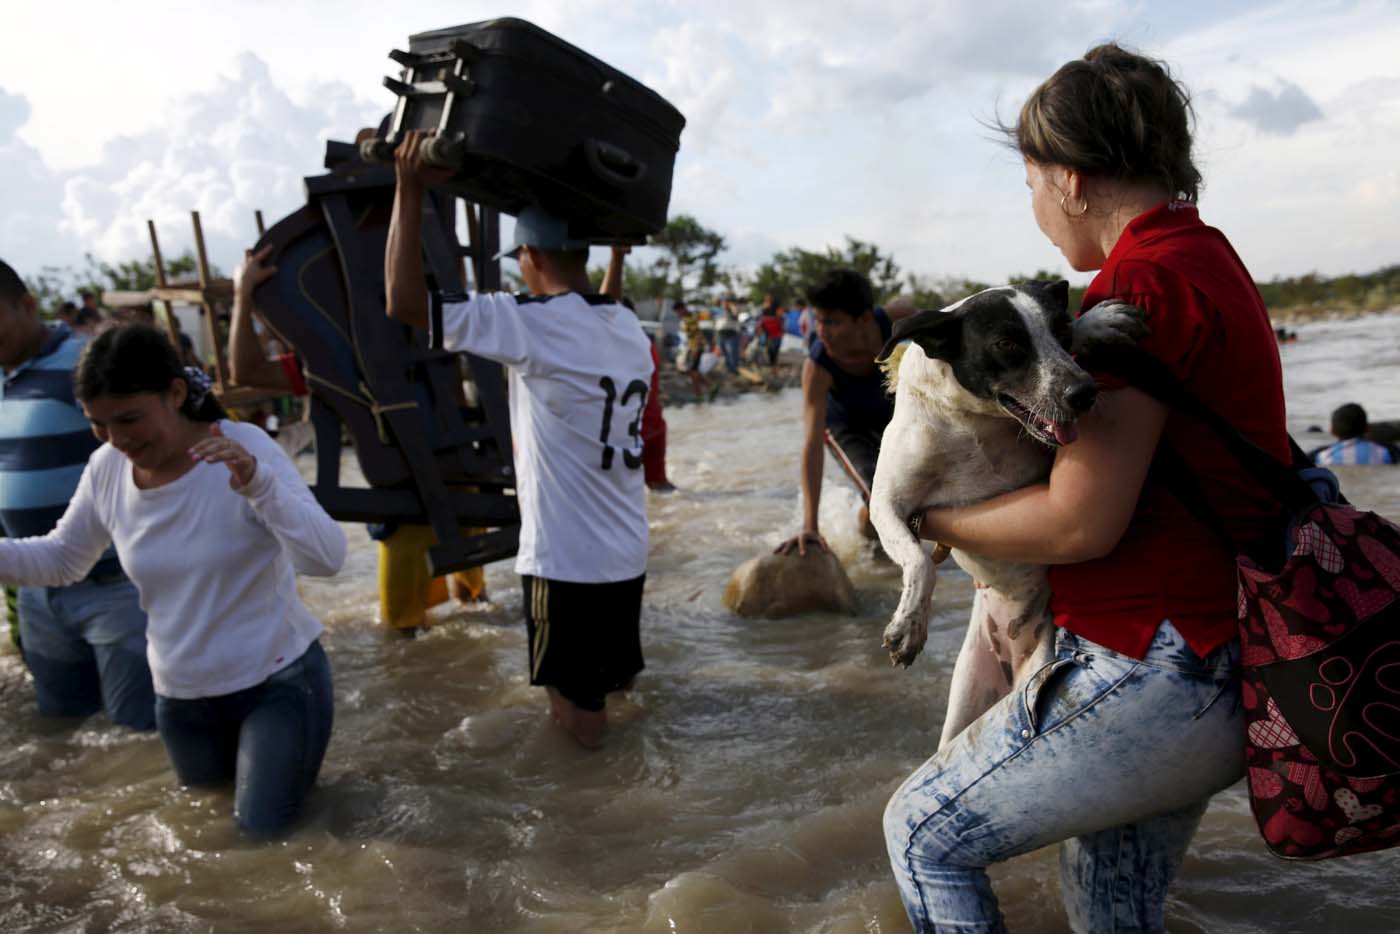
[1210, 327]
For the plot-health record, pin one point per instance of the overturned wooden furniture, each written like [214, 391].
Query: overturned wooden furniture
[428, 457]
[211, 295]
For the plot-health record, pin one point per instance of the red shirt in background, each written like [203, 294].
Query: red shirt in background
[291, 366]
[771, 325]
[654, 427]
[1210, 327]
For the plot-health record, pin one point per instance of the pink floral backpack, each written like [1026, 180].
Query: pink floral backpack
[1320, 658]
[1319, 630]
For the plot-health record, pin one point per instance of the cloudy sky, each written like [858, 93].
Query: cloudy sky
[807, 119]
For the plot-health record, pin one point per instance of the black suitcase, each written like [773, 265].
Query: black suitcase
[526, 118]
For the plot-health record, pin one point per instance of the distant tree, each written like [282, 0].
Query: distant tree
[138, 275]
[687, 262]
[58, 284]
[1370, 291]
[792, 273]
[639, 281]
[1076, 292]
[928, 292]
[51, 288]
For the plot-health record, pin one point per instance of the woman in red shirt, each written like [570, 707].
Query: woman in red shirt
[1114, 748]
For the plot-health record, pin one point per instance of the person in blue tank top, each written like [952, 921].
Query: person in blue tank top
[844, 403]
[85, 643]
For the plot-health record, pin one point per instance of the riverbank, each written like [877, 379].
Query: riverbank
[677, 390]
[1307, 314]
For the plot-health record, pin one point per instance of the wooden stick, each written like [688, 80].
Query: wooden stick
[201, 260]
[262, 228]
[206, 307]
[155, 249]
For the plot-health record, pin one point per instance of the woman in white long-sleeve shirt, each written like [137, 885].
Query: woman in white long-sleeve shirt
[212, 522]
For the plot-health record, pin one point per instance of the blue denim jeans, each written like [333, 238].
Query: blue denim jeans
[85, 645]
[729, 346]
[269, 738]
[1112, 757]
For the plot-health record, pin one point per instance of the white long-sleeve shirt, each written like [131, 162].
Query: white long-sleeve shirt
[216, 569]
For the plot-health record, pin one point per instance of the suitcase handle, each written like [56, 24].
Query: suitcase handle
[375, 150]
[612, 163]
[443, 152]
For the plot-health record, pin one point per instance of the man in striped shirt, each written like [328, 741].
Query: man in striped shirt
[85, 643]
[1349, 427]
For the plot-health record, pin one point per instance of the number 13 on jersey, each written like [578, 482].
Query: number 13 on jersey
[637, 390]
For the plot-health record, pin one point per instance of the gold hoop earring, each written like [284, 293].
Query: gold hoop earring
[1084, 209]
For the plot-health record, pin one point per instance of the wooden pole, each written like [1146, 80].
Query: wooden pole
[206, 307]
[155, 249]
[167, 313]
[202, 261]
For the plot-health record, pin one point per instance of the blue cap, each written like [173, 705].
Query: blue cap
[538, 228]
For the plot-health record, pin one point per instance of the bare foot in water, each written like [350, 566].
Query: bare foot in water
[587, 727]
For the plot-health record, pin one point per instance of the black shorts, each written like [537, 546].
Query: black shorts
[584, 639]
[857, 452]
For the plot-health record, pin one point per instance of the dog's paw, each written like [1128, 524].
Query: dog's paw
[1110, 322]
[904, 639]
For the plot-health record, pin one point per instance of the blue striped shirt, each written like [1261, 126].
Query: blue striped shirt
[44, 441]
[1354, 451]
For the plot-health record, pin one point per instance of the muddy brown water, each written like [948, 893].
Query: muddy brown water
[740, 791]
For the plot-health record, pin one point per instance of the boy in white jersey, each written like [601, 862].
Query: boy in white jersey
[580, 369]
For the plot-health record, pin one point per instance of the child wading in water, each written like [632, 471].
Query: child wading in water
[580, 371]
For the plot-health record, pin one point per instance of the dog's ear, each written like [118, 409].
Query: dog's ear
[1057, 292]
[938, 333]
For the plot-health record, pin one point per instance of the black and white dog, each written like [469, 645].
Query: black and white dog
[986, 390]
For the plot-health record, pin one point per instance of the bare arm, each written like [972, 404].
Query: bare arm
[406, 296]
[248, 364]
[612, 279]
[816, 382]
[1085, 508]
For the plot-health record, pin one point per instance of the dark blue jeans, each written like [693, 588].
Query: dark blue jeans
[729, 346]
[85, 644]
[269, 738]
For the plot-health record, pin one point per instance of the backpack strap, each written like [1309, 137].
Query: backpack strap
[1145, 372]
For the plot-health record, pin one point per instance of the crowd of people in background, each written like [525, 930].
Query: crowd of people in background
[121, 460]
[729, 333]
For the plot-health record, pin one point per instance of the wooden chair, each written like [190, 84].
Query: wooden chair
[401, 402]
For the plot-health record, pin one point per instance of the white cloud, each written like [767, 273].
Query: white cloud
[243, 144]
[14, 113]
[1281, 110]
[805, 122]
[29, 232]
[1317, 198]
